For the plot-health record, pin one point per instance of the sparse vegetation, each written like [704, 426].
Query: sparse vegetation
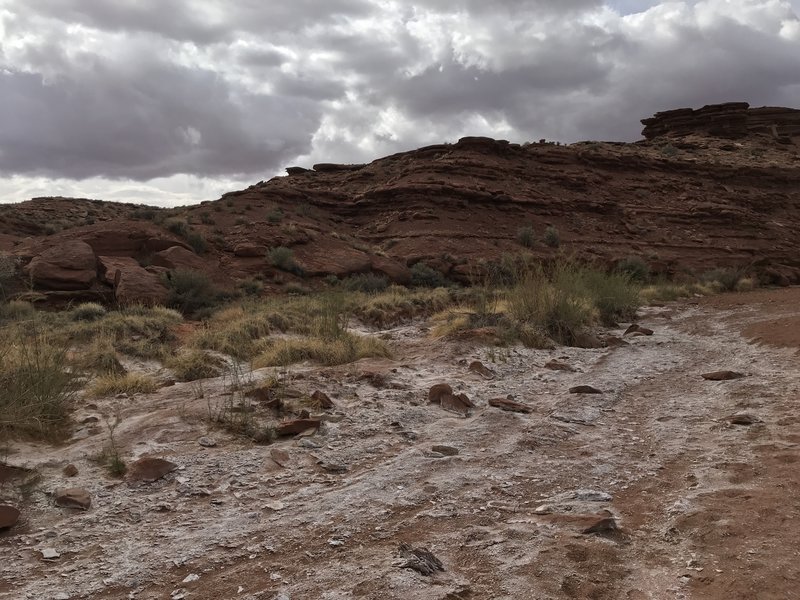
[177, 226]
[129, 383]
[88, 311]
[526, 237]
[369, 283]
[424, 276]
[192, 364]
[282, 258]
[635, 267]
[197, 242]
[275, 216]
[552, 238]
[191, 291]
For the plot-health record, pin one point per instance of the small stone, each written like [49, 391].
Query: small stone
[150, 469]
[309, 444]
[584, 389]
[8, 516]
[722, 375]
[604, 524]
[333, 467]
[438, 391]
[207, 442]
[335, 542]
[637, 329]
[323, 400]
[478, 367]
[592, 496]
[445, 450]
[73, 498]
[50, 554]
[281, 457]
[70, 470]
[555, 365]
[744, 419]
[275, 505]
[460, 404]
[190, 578]
[510, 405]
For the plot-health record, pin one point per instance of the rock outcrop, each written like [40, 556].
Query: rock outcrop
[730, 120]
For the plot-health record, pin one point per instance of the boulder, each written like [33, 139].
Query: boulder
[135, 285]
[394, 270]
[177, 257]
[8, 516]
[108, 266]
[332, 258]
[584, 389]
[69, 265]
[73, 498]
[296, 426]
[478, 367]
[438, 391]
[323, 400]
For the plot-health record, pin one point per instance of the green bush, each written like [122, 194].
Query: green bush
[177, 226]
[725, 278]
[525, 236]
[197, 242]
[369, 283]
[551, 237]
[282, 258]
[275, 216]
[424, 276]
[251, 287]
[190, 291]
[634, 266]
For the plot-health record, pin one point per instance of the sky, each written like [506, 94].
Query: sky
[171, 102]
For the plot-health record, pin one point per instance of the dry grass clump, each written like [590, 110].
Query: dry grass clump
[398, 304]
[36, 385]
[192, 364]
[341, 350]
[129, 383]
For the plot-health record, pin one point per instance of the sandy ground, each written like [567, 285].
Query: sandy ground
[703, 508]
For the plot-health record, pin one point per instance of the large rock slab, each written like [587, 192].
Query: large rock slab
[73, 498]
[149, 469]
[138, 286]
[8, 516]
[177, 257]
[69, 265]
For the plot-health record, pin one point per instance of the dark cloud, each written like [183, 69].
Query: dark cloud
[135, 90]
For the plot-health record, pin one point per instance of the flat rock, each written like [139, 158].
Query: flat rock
[722, 375]
[73, 498]
[604, 524]
[457, 403]
[50, 554]
[133, 285]
[150, 469]
[510, 405]
[743, 419]
[445, 450]
[8, 516]
[70, 470]
[635, 328]
[296, 426]
[584, 389]
[207, 442]
[555, 365]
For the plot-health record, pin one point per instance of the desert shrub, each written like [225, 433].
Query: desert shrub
[190, 291]
[206, 218]
[251, 287]
[282, 258]
[192, 364]
[197, 242]
[99, 357]
[144, 214]
[398, 304]
[526, 237]
[177, 226]
[36, 385]
[112, 384]
[369, 283]
[16, 310]
[614, 295]
[275, 216]
[88, 311]
[8, 267]
[724, 278]
[635, 267]
[424, 276]
[551, 237]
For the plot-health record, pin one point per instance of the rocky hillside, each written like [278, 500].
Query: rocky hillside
[715, 187]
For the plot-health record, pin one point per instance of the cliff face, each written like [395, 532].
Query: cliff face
[697, 203]
[730, 120]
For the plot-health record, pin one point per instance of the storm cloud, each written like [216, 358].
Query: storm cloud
[172, 100]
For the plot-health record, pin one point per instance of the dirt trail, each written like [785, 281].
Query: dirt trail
[705, 509]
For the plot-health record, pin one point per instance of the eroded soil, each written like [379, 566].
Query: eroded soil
[703, 508]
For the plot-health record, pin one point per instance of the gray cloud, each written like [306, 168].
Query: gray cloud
[136, 90]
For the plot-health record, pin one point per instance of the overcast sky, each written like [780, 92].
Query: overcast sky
[178, 101]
